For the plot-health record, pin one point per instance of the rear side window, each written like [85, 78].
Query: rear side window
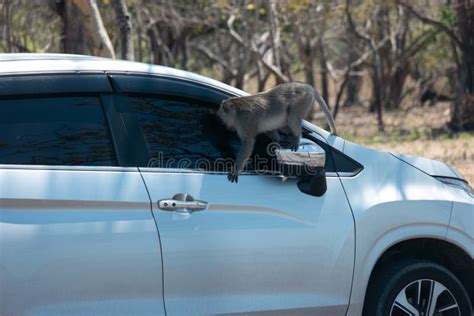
[55, 131]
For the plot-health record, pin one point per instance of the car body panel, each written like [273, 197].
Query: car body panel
[261, 246]
[461, 228]
[393, 202]
[430, 166]
[71, 239]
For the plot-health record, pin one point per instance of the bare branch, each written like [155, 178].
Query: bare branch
[95, 29]
[236, 36]
[214, 57]
[419, 43]
[339, 95]
[359, 61]
[352, 25]
[437, 24]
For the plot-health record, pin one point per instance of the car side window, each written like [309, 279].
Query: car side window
[183, 133]
[69, 131]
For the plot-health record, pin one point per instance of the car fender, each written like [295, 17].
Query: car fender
[391, 202]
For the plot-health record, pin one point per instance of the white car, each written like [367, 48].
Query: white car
[114, 200]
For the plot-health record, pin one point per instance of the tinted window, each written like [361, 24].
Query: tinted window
[54, 131]
[183, 133]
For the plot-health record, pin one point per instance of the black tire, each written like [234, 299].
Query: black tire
[391, 280]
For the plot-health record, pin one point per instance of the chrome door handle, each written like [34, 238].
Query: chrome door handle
[182, 203]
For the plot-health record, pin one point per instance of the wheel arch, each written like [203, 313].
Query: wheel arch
[437, 250]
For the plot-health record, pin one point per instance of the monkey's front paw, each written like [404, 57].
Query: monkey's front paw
[295, 144]
[233, 177]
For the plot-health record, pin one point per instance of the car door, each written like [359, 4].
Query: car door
[77, 236]
[260, 246]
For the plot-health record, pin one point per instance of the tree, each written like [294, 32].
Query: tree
[87, 34]
[375, 66]
[72, 38]
[457, 22]
[125, 26]
[302, 21]
[7, 24]
[388, 33]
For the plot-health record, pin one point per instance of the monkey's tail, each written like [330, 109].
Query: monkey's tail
[326, 111]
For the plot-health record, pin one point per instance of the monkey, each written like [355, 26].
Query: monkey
[283, 106]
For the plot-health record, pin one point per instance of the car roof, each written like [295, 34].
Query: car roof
[14, 64]
[34, 56]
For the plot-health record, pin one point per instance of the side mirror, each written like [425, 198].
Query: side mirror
[307, 163]
[309, 157]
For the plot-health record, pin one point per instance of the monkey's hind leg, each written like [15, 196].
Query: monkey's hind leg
[296, 114]
[244, 153]
[294, 124]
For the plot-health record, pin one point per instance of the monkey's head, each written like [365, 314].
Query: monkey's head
[227, 114]
[293, 92]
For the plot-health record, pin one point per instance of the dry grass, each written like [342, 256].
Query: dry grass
[420, 131]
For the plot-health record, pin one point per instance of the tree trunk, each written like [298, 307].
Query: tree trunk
[72, 39]
[262, 76]
[308, 67]
[377, 96]
[309, 79]
[227, 77]
[156, 56]
[7, 16]
[324, 73]
[462, 110]
[93, 27]
[184, 52]
[141, 37]
[140, 44]
[395, 86]
[306, 57]
[353, 82]
[339, 94]
[125, 26]
[240, 77]
[352, 91]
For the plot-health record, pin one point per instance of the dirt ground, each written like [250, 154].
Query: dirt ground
[418, 131]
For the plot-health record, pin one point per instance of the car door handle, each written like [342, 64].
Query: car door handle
[182, 203]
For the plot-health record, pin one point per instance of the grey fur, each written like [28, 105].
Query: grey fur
[283, 106]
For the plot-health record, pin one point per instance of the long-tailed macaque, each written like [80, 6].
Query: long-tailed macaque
[283, 106]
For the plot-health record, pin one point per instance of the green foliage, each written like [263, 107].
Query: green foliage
[448, 16]
[223, 5]
[251, 6]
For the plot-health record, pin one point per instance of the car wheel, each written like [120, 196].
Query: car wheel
[417, 288]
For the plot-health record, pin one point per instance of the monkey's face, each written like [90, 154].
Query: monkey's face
[221, 113]
[226, 115]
